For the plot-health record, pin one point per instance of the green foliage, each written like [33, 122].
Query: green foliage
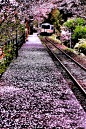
[8, 27]
[82, 48]
[72, 23]
[2, 68]
[53, 37]
[69, 24]
[21, 28]
[70, 49]
[79, 21]
[54, 17]
[79, 32]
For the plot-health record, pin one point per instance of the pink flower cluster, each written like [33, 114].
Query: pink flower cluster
[65, 35]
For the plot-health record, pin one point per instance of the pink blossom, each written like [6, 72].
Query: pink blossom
[65, 35]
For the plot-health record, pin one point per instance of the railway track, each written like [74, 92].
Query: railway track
[75, 70]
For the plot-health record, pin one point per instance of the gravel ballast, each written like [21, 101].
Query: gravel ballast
[34, 94]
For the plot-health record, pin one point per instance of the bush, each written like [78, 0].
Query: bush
[77, 29]
[69, 24]
[82, 48]
[79, 32]
[81, 41]
[72, 23]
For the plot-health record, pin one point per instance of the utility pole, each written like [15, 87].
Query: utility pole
[30, 25]
[16, 45]
[29, 29]
[70, 38]
[26, 29]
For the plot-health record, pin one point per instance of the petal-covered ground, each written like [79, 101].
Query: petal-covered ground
[34, 94]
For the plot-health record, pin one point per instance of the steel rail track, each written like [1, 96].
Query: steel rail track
[72, 77]
[67, 55]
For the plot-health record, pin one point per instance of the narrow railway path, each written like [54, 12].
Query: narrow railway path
[34, 94]
[75, 70]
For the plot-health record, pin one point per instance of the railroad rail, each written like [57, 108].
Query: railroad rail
[76, 71]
